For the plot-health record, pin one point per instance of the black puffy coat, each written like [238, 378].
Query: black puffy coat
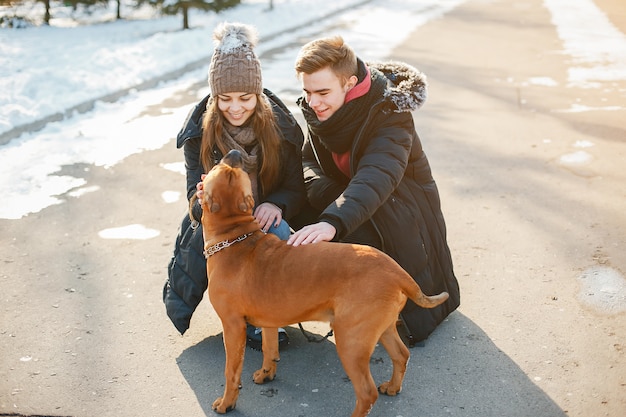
[187, 277]
[391, 187]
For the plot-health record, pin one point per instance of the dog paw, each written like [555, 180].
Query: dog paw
[387, 389]
[221, 408]
[263, 375]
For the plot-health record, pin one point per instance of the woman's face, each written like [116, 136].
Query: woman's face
[324, 92]
[237, 107]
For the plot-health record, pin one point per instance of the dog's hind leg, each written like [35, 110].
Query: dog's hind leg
[235, 346]
[270, 357]
[355, 346]
[399, 355]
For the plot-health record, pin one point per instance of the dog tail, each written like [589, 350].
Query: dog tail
[426, 301]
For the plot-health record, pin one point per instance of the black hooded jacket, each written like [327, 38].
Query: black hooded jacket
[187, 277]
[391, 184]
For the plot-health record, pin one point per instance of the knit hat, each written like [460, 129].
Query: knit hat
[234, 66]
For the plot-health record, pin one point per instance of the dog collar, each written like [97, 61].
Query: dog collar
[213, 249]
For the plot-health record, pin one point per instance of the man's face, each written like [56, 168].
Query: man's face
[324, 92]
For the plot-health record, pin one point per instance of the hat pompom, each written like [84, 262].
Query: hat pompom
[231, 36]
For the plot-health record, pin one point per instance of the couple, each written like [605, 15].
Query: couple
[360, 176]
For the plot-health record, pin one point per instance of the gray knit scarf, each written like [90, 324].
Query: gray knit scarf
[242, 138]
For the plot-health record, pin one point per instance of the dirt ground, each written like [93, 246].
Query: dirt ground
[537, 236]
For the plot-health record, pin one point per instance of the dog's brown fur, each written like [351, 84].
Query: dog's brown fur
[267, 283]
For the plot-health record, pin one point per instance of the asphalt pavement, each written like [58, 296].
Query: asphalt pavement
[84, 332]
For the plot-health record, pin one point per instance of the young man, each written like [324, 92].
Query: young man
[366, 174]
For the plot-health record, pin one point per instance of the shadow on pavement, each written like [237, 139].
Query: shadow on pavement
[459, 371]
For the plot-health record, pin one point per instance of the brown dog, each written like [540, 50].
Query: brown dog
[257, 278]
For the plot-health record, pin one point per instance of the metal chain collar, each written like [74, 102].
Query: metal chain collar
[213, 249]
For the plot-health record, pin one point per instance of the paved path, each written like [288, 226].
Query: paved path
[83, 330]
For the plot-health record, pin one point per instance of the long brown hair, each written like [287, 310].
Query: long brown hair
[265, 131]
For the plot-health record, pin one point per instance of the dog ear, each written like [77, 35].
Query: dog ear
[213, 206]
[247, 203]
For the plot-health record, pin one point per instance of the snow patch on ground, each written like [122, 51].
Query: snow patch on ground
[604, 289]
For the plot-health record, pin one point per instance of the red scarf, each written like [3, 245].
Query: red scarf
[343, 160]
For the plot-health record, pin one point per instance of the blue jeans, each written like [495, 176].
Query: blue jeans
[282, 231]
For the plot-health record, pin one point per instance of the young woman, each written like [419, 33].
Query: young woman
[366, 174]
[238, 114]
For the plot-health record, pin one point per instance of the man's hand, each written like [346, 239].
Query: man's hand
[313, 233]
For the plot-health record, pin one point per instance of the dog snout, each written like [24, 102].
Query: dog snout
[233, 158]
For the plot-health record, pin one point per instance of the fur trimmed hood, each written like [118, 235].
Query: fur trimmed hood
[407, 86]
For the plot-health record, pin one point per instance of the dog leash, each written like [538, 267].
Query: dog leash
[312, 339]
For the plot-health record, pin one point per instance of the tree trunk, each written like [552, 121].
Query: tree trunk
[185, 17]
[46, 16]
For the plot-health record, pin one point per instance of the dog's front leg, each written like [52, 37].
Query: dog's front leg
[270, 356]
[234, 345]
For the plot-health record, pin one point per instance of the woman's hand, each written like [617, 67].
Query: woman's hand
[200, 190]
[267, 214]
[313, 233]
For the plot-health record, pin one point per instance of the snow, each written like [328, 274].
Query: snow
[604, 289]
[133, 231]
[78, 93]
[597, 47]
[46, 70]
